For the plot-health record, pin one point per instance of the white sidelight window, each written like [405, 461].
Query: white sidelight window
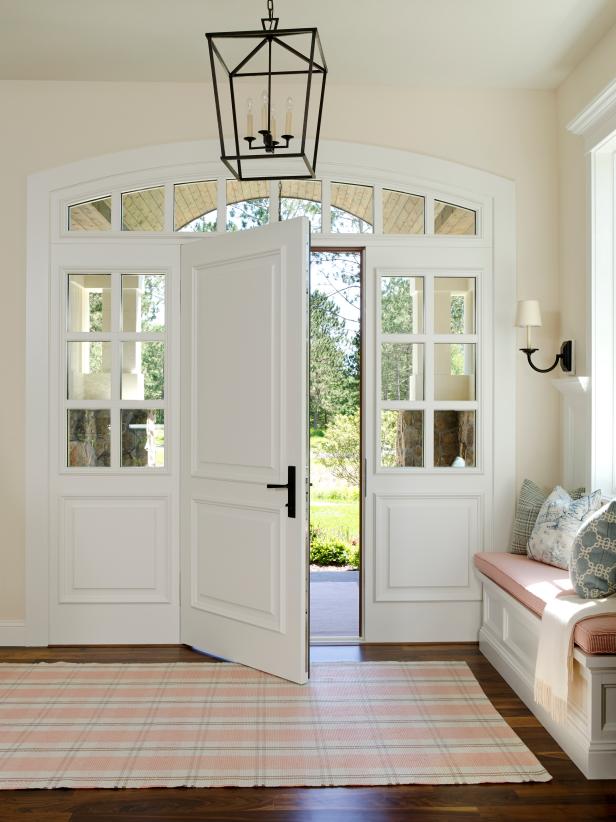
[114, 346]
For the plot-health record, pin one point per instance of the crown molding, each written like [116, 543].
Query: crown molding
[597, 112]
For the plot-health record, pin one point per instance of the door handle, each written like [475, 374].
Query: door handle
[290, 486]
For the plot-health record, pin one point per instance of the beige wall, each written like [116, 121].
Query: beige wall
[595, 72]
[510, 133]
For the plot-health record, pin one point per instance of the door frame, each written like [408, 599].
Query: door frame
[360, 250]
[49, 191]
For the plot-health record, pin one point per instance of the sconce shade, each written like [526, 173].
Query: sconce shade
[528, 314]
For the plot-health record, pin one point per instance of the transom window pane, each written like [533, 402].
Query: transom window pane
[454, 371]
[143, 438]
[195, 206]
[144, 210]
[454, 439]
[402, 439]
[352, 209]
[143, 302]
[89, 302]
[453, 219]
[94, 215]
[143, 370]
[402, 305]
[402, 371]
[402, 213]
[454, 305]
[89, 370]
[247, 204]
[89, 438]
[301, 198]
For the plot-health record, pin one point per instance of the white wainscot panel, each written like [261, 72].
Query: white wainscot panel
[424, 546]
[114, 550]
[236, 554]
[245, 383]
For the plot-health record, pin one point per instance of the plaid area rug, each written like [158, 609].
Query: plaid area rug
[220, 724]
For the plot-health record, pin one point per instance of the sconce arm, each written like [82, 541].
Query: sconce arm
[565, 358]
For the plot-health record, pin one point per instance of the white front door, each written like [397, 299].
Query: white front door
[244, 561]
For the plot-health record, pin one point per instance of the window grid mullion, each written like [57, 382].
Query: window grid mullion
[429, 371]
[116, 366]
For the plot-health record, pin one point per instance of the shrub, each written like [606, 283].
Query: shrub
[326, 550]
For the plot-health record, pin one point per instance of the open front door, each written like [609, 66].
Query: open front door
[244, 474]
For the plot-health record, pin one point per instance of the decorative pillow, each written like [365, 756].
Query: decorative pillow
[557, 525]
[593, 558]
[529, 504]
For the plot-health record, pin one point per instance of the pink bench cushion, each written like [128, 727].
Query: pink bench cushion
[534, 584]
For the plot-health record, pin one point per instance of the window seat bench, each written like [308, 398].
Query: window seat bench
[515, 592]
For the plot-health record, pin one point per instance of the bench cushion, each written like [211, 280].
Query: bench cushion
[534, 584]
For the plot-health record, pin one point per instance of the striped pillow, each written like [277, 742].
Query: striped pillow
[527, 510]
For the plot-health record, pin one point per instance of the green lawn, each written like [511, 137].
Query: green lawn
[337, 517]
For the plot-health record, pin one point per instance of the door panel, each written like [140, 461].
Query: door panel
[246, 383]
[244, 556]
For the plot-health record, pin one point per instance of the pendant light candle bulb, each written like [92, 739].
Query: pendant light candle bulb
[273, 128]
[264, 111]
[250, 121]
[288, 120]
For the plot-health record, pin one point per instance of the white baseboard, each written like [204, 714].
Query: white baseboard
[12, 632]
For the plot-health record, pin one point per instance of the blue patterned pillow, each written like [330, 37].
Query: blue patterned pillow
[557, 525]
[593, 558]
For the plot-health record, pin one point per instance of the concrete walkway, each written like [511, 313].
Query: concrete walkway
[334, 603]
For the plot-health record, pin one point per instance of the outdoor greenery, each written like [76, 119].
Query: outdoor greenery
[335, 350]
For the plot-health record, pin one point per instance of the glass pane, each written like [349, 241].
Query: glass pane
[89, 438]
[402, 213]
[454, 371]
[89, 302]
[301, 198]
[144, 210]
[454, 439]
[402, 305]
[402, 371]
[95, 215]
[402, 439]
[454, 305]
[143, 370]
[143, 438]
[195, 206]
[247, 204]
[143, 302]
[352, 208]
[453, 219]
[89, 370]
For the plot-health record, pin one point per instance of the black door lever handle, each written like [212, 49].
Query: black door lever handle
[290, 486]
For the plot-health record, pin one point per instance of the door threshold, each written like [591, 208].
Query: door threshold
[336, 640]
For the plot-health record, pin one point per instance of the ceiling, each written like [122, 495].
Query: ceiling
[479, 43]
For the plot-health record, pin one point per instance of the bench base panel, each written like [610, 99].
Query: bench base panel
[509, 638]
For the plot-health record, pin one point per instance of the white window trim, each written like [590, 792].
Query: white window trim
[50, 191]
[596, 124]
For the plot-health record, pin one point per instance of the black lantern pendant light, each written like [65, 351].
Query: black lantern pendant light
[269, 87]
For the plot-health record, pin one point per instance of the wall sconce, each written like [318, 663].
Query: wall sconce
[528, 316]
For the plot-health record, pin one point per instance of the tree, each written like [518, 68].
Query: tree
[327, 358]
[340, 448]
[248, 214]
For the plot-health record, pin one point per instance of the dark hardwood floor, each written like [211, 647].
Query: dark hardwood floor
[568, 796]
